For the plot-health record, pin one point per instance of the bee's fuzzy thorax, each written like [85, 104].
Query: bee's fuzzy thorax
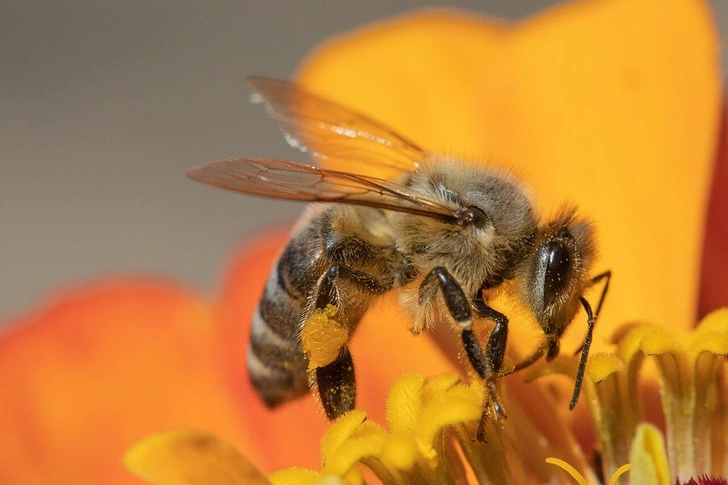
[473, 255]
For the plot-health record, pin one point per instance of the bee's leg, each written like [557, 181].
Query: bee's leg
[329, 286]
[495, 352]
[459, 308]
[495, 349]
[336, 384]
[457, 303]
[487, 364]
[335, 381]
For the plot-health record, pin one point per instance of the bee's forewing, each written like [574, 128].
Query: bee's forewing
[333, 134]
[283, 179]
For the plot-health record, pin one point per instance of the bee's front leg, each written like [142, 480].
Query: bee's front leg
[487, 364]
[347, 293]
[495, 349]
[458, 307]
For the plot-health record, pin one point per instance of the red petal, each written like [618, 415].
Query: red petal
[714, 276]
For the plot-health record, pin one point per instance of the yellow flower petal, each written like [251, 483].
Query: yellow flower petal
[649, 458]
[184, 457]
[294, 476]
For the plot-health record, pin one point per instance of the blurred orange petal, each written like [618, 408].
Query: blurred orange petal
[586, 101]
[101, 367]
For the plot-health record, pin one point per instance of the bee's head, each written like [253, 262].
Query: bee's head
[557, 274]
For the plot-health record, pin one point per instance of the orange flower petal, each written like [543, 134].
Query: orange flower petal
[585, 101]
[100, 368]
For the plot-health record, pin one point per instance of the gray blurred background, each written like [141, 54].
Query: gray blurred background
[104, 104]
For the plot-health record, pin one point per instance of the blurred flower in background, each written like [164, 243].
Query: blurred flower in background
[602, 103]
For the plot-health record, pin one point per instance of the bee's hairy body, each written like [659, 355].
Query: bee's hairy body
[392, 249]
[445, 232]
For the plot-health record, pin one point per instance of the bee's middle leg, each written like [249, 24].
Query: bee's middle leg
[336, 381]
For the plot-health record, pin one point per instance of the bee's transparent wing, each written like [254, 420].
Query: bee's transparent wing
[283, 179]
[333, 134]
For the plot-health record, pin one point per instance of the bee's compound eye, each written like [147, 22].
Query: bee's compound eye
[555, 256]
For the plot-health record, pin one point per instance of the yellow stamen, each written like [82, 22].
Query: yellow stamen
[620, 471]
[404, 404]
[602, 365]
[579, 477]
[340, 432]
[568, 469]
[294, 476]
[399, 451]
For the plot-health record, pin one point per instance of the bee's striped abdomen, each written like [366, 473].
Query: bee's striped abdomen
[276, 362]
[330, 260]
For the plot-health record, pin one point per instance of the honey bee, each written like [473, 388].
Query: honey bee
[449, 235]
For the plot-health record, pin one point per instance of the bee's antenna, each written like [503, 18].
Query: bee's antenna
[591, 321]
[584, 352]
[608, 276]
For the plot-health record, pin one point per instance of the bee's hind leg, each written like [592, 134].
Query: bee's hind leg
[335, 382]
